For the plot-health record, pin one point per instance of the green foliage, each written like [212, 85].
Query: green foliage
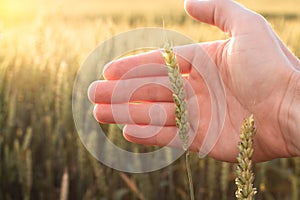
[38, 140]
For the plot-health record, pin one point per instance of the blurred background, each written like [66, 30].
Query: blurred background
[42, 45]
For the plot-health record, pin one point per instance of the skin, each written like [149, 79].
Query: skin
[260, 76]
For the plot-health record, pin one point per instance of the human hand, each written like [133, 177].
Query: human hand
[259, 75]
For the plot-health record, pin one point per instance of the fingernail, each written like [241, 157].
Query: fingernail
[106, 66]
[92, 91]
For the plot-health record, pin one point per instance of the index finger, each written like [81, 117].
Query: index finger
[147, 64]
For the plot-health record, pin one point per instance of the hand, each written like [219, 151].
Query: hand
[258, 72]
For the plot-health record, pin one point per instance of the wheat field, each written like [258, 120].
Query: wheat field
[43, 44]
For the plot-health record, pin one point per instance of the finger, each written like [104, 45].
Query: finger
[152, 135]
[160, 113]
[148, 64]
[156, 136]
[151, 64]
[229, 16]
[134, 90]
[142, 114]
[124, 91]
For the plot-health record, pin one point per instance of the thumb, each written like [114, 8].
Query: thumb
[228, 15]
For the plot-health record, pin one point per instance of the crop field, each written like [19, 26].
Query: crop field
[42, 45]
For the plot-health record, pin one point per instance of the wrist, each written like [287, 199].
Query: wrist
[289, 115]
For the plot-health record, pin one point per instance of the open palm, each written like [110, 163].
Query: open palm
[254, 66]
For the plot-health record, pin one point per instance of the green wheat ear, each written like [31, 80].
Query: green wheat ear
[181, 113]
[245, 176]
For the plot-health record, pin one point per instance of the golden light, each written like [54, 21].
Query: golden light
[11, 10]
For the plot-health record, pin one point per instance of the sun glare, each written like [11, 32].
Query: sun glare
[12, 9]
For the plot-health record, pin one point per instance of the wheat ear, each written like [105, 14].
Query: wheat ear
[245, 176]
[181, 113]
[176, 80]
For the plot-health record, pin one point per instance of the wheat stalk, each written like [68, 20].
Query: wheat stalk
[245, 176]
[181, 112]
[225, 168]
[64, 188]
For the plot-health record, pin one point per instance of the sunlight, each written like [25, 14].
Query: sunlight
[12, 7]
[15, 9]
